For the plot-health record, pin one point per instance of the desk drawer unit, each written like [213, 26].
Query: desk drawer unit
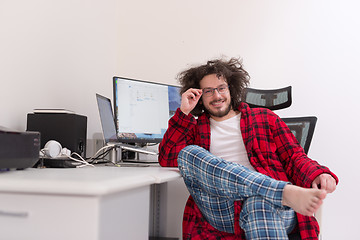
[25, 216]
[122, 215]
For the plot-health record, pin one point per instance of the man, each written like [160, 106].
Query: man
[246, 173]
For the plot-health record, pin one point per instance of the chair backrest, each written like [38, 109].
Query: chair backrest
[272, 99]
[303, 129]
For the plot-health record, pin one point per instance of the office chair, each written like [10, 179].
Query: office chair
[272, 99]
[302, 127]
[275, 99]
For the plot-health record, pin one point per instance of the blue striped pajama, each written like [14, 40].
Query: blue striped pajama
[215, 184]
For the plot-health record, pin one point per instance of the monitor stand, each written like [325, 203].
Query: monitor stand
[116, 152]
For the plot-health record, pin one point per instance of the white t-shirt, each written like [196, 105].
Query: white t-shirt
[226, 141]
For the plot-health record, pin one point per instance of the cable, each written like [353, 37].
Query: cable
[66, 153]
[101, 149]
[100, 156]
[103, 154]
[89, 161]
[83, 161]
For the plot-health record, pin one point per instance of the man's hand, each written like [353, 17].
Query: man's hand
[189, 99]
[325, 181]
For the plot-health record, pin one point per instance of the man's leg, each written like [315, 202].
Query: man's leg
[215, 184]
[260, 219]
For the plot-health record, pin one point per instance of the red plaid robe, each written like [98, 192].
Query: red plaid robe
[272, 150]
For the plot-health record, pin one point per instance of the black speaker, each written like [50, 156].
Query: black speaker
[68, 129]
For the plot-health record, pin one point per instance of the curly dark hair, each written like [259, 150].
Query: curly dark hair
[232, 71]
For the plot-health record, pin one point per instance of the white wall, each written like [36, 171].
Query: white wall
[58, 54]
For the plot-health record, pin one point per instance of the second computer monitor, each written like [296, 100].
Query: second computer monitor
[142, 109]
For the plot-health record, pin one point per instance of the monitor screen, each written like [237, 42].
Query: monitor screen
[142, 109]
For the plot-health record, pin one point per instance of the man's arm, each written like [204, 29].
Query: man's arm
[301, 170]
[180, 132]
[178, 135]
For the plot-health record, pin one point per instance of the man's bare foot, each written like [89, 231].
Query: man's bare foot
[305, 201]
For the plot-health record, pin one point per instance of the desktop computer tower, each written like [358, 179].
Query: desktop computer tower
[68, 129]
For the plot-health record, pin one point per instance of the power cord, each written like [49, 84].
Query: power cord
[101, 153]
[96, 156]
[68, 155]
[82, 160]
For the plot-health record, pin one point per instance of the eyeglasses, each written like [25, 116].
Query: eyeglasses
[208, 92]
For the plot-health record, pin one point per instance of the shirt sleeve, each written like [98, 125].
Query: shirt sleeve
[179, 134]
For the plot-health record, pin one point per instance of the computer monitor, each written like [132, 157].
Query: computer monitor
[142, 109]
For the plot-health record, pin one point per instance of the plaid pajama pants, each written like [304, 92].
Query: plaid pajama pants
[215, 184]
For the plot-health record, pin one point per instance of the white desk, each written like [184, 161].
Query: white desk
[98, 203]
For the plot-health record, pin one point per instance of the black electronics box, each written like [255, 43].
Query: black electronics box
[67, 128]
[18, 150]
